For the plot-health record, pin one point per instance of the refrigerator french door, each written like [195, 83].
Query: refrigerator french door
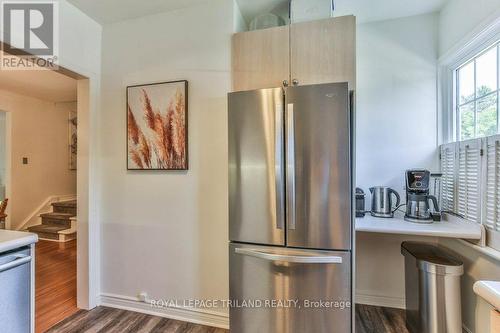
[290, 209]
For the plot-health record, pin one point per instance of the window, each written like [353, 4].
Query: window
[477, 95]
[471, 165]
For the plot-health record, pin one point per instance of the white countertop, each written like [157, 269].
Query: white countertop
[490, 291]
[10, 240]
[451, 228]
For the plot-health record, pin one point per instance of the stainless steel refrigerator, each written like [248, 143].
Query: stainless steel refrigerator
[291, 210]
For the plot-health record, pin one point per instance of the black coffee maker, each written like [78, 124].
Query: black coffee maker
[418, 208]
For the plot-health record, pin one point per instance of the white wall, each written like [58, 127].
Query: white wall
[40, 133]
[3, 152]
[395, 128]
[459, 18]
[396, 99]
[164, 232]
[79, 42]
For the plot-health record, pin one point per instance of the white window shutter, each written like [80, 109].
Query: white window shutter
[448, 163]
[469, 180]
[492, 195]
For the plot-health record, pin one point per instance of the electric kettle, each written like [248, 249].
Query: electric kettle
[382, 201]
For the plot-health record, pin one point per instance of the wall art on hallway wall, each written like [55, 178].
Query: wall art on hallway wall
[157, 126]
[73, 139]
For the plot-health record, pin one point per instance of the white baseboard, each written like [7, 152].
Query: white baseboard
[196, 316]
[377, 300]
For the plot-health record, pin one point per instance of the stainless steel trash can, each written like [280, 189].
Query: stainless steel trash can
[432, 286]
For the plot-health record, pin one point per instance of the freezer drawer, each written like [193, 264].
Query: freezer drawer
[311, 290]
[256, 174]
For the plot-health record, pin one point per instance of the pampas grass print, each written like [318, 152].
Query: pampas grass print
[161, 143]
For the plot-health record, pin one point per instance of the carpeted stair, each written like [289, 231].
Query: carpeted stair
[57, 225]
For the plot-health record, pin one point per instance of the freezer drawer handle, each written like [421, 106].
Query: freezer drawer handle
[19, 259]
[289, 258]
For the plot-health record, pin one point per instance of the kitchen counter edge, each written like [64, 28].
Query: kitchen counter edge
[450, 227]
[10, 240]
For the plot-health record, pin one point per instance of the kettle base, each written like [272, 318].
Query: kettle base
[386, 215]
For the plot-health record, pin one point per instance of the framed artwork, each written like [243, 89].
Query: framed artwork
[73, 138]
[157, 126]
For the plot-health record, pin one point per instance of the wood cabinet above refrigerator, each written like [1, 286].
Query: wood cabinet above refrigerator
[260, 58]
[324, 51]
[313, 52]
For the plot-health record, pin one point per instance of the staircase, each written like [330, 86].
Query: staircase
[60, 224]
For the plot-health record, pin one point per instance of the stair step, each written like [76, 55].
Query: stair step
[57, 219]
[51, 229]
[47, 231]
[67, 210]
[57, 216]
[69, 203]
[65, 207]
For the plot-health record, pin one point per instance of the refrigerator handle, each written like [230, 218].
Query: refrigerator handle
[280, 216]
[289, 258]
[290, 167]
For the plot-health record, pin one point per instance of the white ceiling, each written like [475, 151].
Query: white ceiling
[378, 10]
[42, 84]
[109, 11]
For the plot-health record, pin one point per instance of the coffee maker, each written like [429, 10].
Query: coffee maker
[417, 197]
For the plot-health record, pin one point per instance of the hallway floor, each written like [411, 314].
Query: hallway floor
[55, 283]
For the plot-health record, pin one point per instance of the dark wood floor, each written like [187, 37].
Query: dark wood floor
[374, 319]
[107, 320]
[369, 319]
[55, 281]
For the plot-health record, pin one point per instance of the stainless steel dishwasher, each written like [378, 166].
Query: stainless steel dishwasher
[15, 291]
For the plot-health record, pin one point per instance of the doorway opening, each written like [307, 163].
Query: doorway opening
[39, 177]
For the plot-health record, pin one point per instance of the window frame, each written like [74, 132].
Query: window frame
[474, 101]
